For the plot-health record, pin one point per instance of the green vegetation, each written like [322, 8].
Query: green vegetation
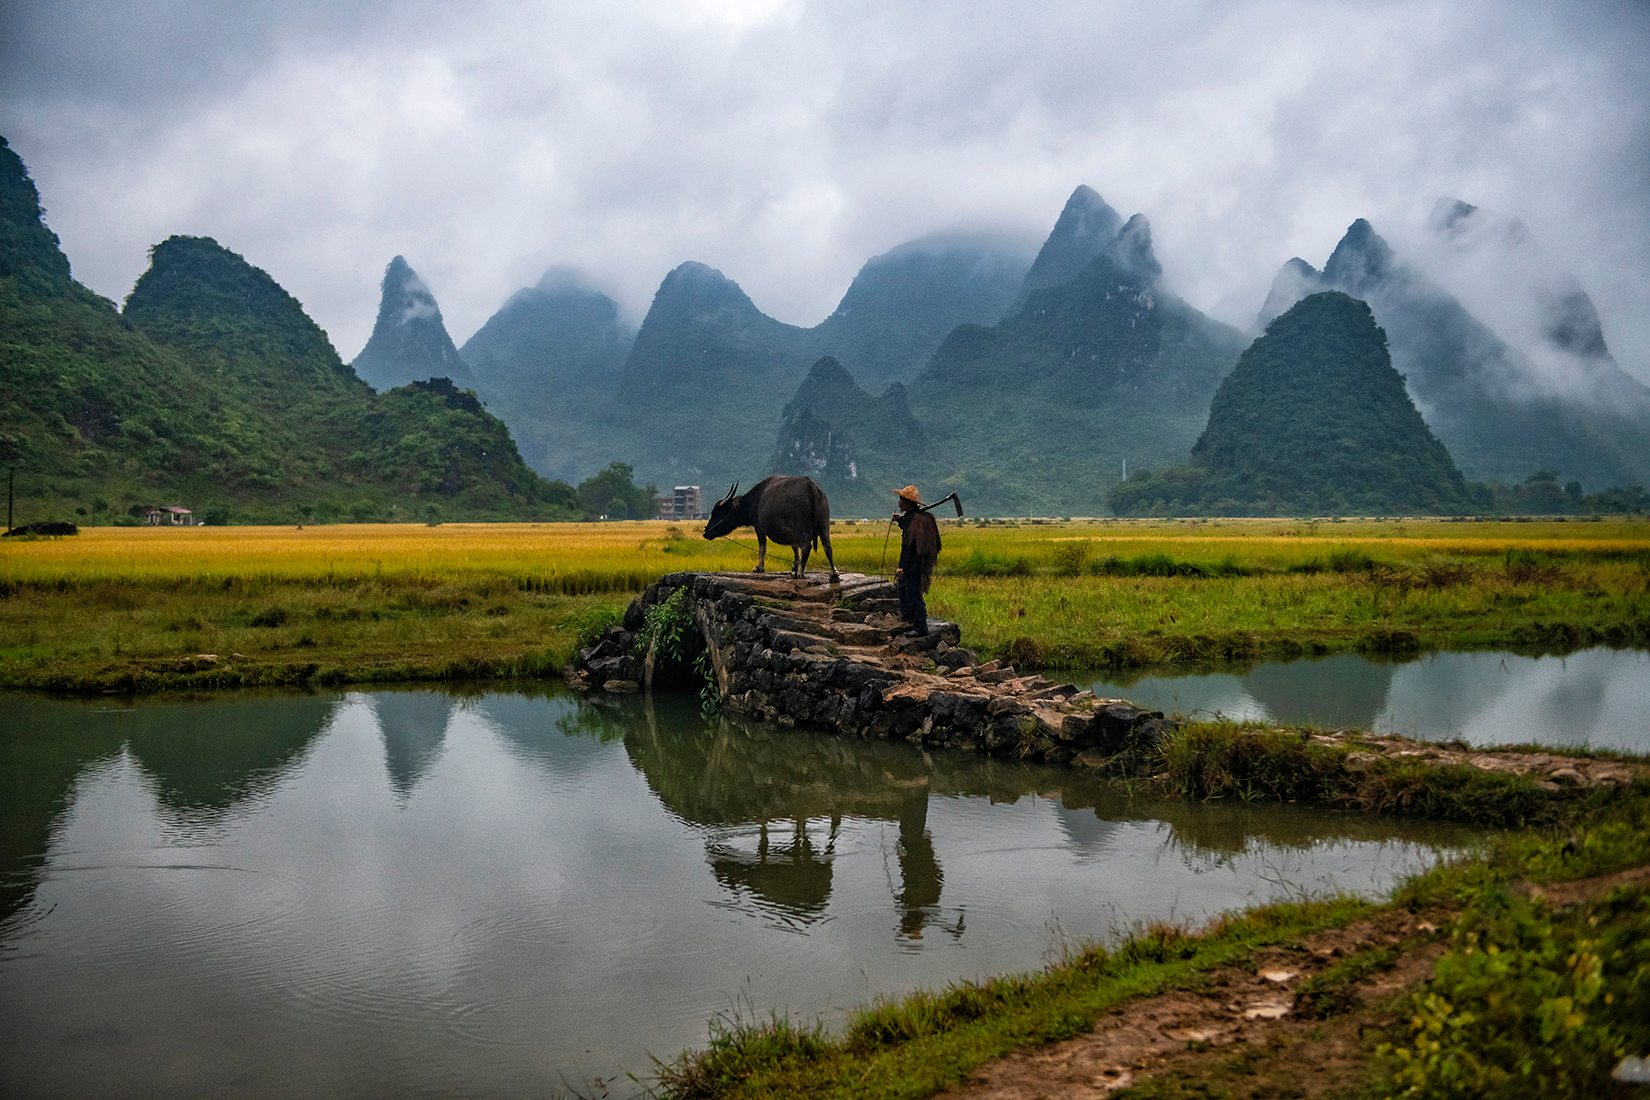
[1540, 494]
[1215, 594]
[613, 494]
[151, 609]
[213, 390]
[29, 252]
[1252, 762]
[1529, 999]
[1312, 419]
[264, 631]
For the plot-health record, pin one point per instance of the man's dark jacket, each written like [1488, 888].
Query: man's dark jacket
[919, 547]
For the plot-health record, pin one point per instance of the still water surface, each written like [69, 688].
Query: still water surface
[393, 893]
[1596, 697]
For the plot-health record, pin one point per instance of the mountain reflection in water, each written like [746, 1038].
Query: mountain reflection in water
[1597, 697]
[376, 893]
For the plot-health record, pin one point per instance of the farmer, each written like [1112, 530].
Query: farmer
[919, 548]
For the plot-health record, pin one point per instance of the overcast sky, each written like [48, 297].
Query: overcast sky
[786, 142]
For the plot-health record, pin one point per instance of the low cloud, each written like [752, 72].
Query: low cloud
[787, 142]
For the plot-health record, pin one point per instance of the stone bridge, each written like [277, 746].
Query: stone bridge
[830, 656]
[811, 653]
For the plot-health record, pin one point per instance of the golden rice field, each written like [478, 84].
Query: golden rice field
[627, 550]
[135, 608]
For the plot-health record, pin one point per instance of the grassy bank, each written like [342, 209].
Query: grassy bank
[1534, 991]
[135, 609]
[924, 1043]
[1221, 760]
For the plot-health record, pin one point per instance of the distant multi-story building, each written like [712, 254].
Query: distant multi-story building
[684, 502]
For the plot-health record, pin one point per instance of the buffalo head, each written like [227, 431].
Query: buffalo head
[726, 515]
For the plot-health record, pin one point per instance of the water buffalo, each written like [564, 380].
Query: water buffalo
[791, 511]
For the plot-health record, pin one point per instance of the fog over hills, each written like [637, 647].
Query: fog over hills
[1031, 384]
[1313, 420]
[409, 342]
[1559, 403]
[1039, 413]
[550, 354]
[1085, 226]
[1028, 380]
[697, 393]
[1494, 266]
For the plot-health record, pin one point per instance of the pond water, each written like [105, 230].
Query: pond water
[399, 892]
[1596, 697]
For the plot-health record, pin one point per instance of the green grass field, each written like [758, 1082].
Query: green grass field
[146, 609]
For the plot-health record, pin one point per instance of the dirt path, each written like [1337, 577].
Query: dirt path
[1248, 1007]
[1267, 1029]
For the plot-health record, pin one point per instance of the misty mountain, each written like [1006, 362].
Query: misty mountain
[902, 303]
[427, 439]
[709, 375]
[1036, 415]
[409, 341]
[703, 384]
[214, 390]
[550, 355]
[1501, 415]
[1313, 420]
[1493, 266]
[855, 445]
[1085, 227]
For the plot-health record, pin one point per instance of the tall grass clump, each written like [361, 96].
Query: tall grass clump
[738, 1050]
[1216, 760]
[1156, 563]
[979, 562]
[1069, 557]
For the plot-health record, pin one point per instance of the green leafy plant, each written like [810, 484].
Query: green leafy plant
[1530, 1001]
[666, 627]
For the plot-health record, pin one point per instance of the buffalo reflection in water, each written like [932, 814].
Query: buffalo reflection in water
[771, 803]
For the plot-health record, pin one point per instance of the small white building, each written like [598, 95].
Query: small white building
[170, 516]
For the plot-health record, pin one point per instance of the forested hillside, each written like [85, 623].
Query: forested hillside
[1313, 420]
[216, 392]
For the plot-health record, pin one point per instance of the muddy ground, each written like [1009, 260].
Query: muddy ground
[1300, 1021]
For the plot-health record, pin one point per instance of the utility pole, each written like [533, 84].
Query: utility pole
[1125, 469]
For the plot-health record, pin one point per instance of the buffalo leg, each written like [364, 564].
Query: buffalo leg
[761, 553]
[799, 560]
[825, 541]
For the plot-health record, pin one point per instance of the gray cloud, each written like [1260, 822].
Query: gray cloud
[786, 142]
